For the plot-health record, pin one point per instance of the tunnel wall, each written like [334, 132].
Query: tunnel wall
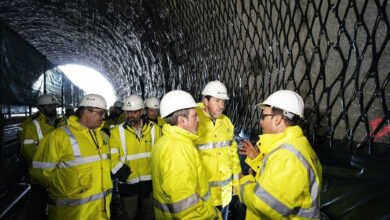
[335, 54]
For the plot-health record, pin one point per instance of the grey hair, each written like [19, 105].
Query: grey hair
[172, 118]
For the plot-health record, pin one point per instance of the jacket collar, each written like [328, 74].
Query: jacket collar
[267, 142]
[176, 131]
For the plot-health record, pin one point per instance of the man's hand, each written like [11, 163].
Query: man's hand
[248, 149]
[250, 171]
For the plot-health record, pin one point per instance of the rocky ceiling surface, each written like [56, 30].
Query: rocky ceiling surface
[120, 39]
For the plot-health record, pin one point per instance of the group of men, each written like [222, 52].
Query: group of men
[173, 160]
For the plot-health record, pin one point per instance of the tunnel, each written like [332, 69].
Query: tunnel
[335, 54]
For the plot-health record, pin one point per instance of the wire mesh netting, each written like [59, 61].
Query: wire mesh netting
[26, 74]
[335, 54]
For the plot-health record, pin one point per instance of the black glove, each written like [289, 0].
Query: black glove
[123, 173]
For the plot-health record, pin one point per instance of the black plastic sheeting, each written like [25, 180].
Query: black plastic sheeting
[26, 74]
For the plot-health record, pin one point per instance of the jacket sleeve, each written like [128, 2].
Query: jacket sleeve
[181, 183]
[30, 142]
[236, 167]
[275, 192]
[46, 159]
[116, 152]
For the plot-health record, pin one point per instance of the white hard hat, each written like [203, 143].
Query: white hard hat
[46, 99]
[93, 100]
[176, 100]
[118, 104]
[216, 89]
[152, 102]
[133, 103]
[287, 100]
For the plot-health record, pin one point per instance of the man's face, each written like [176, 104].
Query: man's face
[95, 117]
[133, 117]
[267, 121]
[190, 123]
[50, 110]
[152, 113]
[214, 106]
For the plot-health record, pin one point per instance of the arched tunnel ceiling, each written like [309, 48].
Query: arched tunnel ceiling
[113, 37]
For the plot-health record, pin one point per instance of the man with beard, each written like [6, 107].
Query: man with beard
[180, 186]
[45, 121]
[216, 147]
[132, 143]
[73, 161]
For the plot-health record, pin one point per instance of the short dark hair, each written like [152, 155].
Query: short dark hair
[81, 110]
[290, 121]
[172, 118]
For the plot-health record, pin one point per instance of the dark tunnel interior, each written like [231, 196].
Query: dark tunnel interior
[334, 53]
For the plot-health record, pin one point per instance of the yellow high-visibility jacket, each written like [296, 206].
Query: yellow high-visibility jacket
[33, 134]
[22, 127]
[160, 121]
[288, 180]
[180, 187]
[128, 149]
[218, 154]
[73, 162]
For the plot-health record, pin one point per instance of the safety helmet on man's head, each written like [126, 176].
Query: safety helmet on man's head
[46, 99]
[176, 100]
[93, 100]
[133, 103]
[153, 103]
[287, 100]
[216, 89]
[68, 107]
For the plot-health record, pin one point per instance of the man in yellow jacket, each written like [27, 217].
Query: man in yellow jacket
[43, 123]
[131, 142]
[180, 186]
[289, 175]
[116, 117]
[73, 162]
[152, 107]
[216, 146]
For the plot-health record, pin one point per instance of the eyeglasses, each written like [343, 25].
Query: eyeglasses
[101, 113]
[262, 116]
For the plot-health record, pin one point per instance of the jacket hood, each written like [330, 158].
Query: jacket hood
[169, 130]
[267, 140]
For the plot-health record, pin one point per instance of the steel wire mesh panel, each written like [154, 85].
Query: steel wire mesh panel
[335, 54]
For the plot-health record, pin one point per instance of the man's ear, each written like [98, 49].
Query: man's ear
[180, 120]
[278, 119]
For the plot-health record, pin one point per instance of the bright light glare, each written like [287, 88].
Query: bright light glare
[90, 81]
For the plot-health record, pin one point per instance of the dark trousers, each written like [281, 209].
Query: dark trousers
[36, 207]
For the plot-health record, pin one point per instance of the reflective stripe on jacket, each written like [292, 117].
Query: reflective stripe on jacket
[218, 154]
[22, 127]
[180, 186]
[76, 172]
[33, 134]
[132, 151]
[288, 179]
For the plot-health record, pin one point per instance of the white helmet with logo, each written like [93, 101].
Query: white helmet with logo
[46, 99]
[118, 104]
[287, 100]
[216, 89]
[133, 103]
[152, 102]
[176, 100]
[93, 100]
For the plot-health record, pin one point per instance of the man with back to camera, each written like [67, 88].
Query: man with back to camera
[180, 186]
[216, 147]
[73, 161]
[132, 142]
[289, 174]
